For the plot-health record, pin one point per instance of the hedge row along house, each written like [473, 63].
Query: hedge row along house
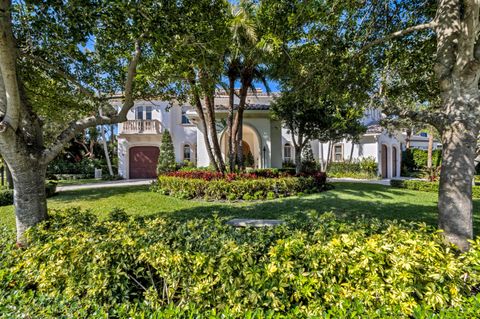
[265, 141]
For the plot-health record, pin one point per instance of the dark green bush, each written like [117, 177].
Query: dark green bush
[416, 159]
[318, 266]
[425, 186]
[6, 197]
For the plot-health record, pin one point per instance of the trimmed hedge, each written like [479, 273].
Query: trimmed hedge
[425, 186]
[317, 266]
[6, 195]
[365, 168]
[235, 189]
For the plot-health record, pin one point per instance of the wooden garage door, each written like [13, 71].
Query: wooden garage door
[143, 161]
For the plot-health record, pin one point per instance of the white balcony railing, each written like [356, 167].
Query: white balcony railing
[140, 127]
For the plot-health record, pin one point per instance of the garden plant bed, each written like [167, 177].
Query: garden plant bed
[318, 266]
[261, 184]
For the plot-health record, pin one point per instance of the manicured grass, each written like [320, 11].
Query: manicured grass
[66, 182]
[347, 199]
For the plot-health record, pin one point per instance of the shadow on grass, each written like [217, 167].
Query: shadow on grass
[99, 193]
[348, 200]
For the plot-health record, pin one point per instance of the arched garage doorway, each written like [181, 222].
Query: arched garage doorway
[394, 162]
[384, 161]
[143, 161]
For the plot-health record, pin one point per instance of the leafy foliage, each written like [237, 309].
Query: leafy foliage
[166, 158]
[365, 168]
[320, 266]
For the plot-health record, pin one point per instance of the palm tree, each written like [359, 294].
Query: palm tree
[244, 63]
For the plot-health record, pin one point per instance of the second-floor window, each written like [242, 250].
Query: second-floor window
[143, 113]
[185, 119]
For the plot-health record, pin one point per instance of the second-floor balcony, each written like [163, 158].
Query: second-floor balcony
[140, 127]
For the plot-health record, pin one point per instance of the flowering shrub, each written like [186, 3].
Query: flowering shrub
[319, 267]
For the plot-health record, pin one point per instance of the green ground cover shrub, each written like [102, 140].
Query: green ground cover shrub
[316, 266]
[235, 189]
[366, 168]
[425, 186]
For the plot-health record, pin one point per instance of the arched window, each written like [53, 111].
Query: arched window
[187, 153]
[287, 153]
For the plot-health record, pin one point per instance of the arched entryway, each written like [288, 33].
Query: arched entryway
[143, 161]
[251, 146]
[394, 162]
[384, 154]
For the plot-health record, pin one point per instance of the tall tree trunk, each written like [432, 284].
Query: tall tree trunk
[231, 137]
[29, 195]
[351, 152]
[298, 159]
[105, 149]
[199, 109]
[430, 149]
[8, 175]
[408, 139]
[322, 159]
[246, 81]
[210, 107]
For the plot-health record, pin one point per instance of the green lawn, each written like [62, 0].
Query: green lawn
[66, 182]
[346, 199]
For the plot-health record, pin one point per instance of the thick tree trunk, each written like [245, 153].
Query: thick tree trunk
[455, 192]
[29, 195]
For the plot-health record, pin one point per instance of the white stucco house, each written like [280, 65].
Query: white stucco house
[269, 143]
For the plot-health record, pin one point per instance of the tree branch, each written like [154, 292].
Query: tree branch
[436, 119]
[398, 34]
[8, 67]
[69, 133]
[63, 74]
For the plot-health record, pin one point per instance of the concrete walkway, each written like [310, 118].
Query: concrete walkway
[367, 181]
[120, 183]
